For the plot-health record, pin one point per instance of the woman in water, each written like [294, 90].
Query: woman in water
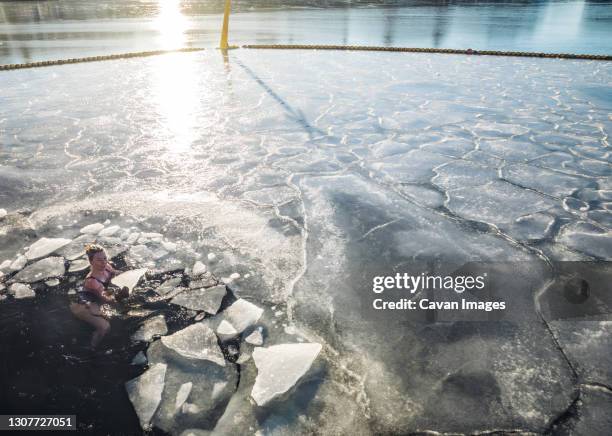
[95, 293]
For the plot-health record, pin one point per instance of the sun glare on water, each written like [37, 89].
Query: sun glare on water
[176, 92]
[171, 24]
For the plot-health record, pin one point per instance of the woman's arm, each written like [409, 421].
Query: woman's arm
[95, 287]
[112, 270]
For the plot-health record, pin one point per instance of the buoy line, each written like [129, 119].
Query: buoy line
[313, 47]
[468, 51]
[96, 58]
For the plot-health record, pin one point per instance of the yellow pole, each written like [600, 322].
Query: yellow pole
[223, 45]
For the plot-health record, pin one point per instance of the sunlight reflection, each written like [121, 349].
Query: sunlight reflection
[171, 24]
[177, 96]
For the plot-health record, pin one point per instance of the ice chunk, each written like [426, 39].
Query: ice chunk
[169, 246]
[198, 269]
[19, 263]
[226, 331]
[208, 300]
[242, 314]
[155, 326]
[169, 285]
[211, 257]
[41, 270]
[245, 356]
[45, 246]
[78, 265]
[109, 231]
[255, 338]
[76, 248]
[197, 341]
[218, 388]
[206, 280]
[132, 238]
[3, 213]
[234, 276]
[129, 278]
[52, 282]
[183, 394]
[141, 254]
[139, 359]
[20, 290]
[92, 229]
[150, 237]
[191, 383]
[145, 393]
[5, 266]
[280, 367]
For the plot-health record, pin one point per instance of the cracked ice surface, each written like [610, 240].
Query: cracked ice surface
[314, 171]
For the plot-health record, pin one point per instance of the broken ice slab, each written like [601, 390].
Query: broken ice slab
[242, 314]
[41, 270]
[280, 367]
[19, 263]
[5, 267]
[226, 331]
[195, 392]
[155, 326]
[20, 290]
[45, 246]
[183, 394]
[145, 238]
[139, 359]
[129, 278]
[198, 269]
[255, 338]
[76, 248]
[109, 231]
[141, 255]
[132, 238]
[92, 229]
[206, 280]
[145, 393]
[198, 341]
[78, 265]
[208, 299]
[169, 285]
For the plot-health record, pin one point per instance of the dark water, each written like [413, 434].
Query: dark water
[46, 368]
[43, 30]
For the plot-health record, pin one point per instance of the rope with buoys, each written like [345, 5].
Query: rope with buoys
[313, 47]
[468, 51]
[96, 58]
